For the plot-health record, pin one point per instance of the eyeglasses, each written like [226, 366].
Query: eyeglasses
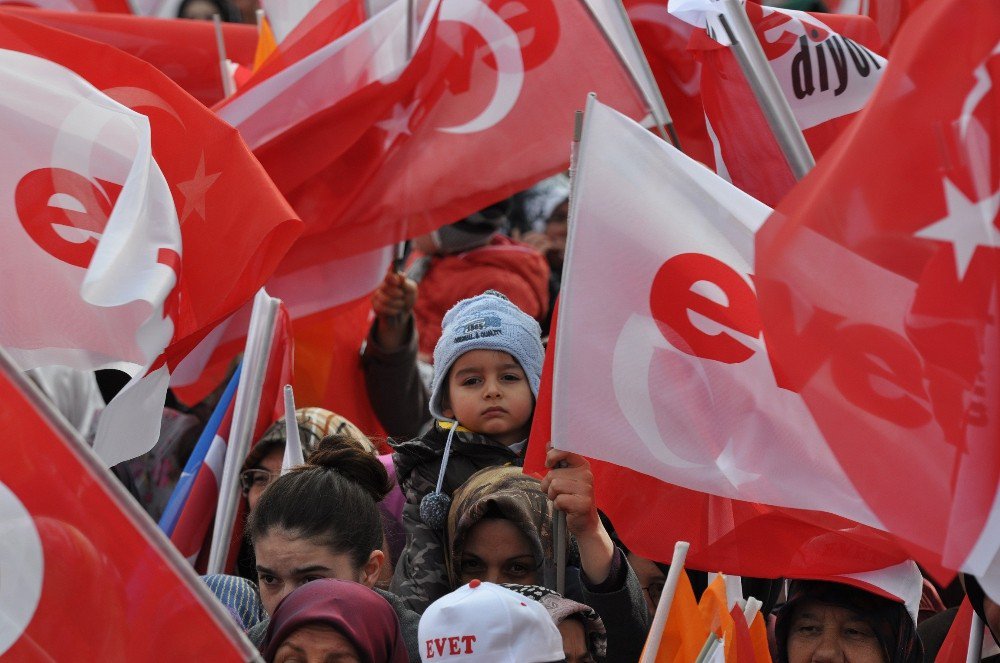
[654, 590]
[257, 478]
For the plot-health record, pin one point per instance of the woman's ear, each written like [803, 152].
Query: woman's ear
[371, 569]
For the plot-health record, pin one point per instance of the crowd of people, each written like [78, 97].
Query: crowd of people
[433, 544]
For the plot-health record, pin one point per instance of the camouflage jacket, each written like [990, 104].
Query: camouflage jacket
[421, 576]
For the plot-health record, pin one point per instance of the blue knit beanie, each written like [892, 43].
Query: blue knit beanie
[486, 322]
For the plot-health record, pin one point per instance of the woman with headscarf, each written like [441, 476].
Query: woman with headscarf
[500, 530]
[837, 622]
[334, 620]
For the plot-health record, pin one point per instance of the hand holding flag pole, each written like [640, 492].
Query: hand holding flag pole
[293, 445]
[765, 88]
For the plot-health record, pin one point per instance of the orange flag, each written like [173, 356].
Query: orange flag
[758, 638]
[266, 44]
[685, 631]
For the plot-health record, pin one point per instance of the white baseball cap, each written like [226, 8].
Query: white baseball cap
[486, 622]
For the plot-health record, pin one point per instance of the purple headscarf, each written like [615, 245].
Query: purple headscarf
[355, 611]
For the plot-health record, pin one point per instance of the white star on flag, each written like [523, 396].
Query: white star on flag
[398, 123]
[968, 225]
[194, 190]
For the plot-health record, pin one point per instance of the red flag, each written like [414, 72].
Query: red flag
[955, 648]
[878, 292]
[299, 35]
[403, 146]
[827, 69]
[888, 15]
[664, 39]
[88, 576]
[117, 208]
[115, 6]
[183, 50]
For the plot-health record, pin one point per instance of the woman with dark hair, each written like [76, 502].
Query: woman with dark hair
[836, 622]
[321, 520]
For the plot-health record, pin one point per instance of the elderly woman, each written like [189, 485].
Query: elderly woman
[836, 622]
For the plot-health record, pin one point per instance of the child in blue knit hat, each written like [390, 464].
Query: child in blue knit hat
[487, 367]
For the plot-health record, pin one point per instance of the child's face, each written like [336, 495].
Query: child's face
[489, 394]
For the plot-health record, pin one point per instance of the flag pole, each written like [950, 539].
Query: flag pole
[293, 444]
[706, 648]
[975, 653]
[658, 105]
[666, 600]
[259, 339]
[765, 88]
[220, 45]
[559, 533]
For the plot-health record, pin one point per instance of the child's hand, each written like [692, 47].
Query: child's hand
[393, 303]
[571, 488]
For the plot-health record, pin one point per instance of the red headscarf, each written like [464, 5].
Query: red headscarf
[355, 611]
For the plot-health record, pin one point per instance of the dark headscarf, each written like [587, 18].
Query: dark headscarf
[890, 621]
[505, 493]
[355, 611]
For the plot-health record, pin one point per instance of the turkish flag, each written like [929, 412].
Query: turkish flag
[382, 147]
[888, 15]
[878, 292]
[662, 378]
[119, 196]
[115, 6]
[184, 51]
[330, 313]
[827, 68]
[87, 576]
[664, 39]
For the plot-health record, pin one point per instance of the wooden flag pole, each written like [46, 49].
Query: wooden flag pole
[666, 600]
[220, 44]
[765, 88]
[251, 384]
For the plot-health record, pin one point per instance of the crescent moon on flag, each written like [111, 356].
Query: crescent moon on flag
[631, 362]
[506, 48]
[21, 568]
[137, 97]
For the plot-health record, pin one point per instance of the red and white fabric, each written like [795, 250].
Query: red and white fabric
[826, 65]
[383, 146]
[121, 187]
[116, 6]
[662, 376]
[892, 343]
[87, 575]
[185, 51]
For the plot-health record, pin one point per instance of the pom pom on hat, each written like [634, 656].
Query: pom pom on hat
[434, 510]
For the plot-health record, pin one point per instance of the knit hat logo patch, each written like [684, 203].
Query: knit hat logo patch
[485, 327]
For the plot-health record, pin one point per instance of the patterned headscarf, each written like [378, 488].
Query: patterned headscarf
[892, 624]
[315, 423]
[507, 493]
[561, 608]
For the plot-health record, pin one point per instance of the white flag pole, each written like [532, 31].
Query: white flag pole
[734, 591]
[750, 611]
[248, 391]
[293, 445]
[766, 88]
[666, 600]
[975, 653]
[220, 44]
